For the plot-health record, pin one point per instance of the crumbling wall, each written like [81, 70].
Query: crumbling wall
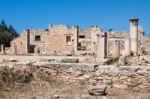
[116, 36]
[95, 33]
[37, 40]
[57, 39]
[61, 40]
[19, 44]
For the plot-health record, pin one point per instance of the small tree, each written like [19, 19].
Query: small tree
[7, 33]
[110, 30]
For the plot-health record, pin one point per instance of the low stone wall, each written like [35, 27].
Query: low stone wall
[136, 78]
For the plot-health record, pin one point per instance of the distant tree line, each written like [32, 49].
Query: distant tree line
[7, 33]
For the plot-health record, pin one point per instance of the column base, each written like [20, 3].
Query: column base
[101, 60]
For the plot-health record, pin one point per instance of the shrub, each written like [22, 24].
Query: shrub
[47, 78]
[14, 75]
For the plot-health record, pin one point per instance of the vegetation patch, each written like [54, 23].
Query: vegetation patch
[70, 60]
[48, 78]
[12, 76]
[7, 33]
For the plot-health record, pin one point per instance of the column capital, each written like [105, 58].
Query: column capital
[133, 19]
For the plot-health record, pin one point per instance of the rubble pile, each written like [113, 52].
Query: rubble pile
[134, 78]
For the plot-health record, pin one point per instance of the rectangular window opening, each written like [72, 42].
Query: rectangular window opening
[82, 36]
[68, 40]
[37, 38]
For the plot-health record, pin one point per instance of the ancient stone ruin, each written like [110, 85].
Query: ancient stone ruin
[101, 60]
[60, 40]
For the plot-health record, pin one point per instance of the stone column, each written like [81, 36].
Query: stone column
[75, 38]
[94, 38]
[2, 49]
[116, 48]
[14, 49]
[127, 47]
[28, 41]
[134, 36]
[102, 45]
[36, 50]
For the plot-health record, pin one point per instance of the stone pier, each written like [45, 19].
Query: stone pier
[36, 50]
[102, 47]
[134, 36]
[127, 47]
[2, 51]
[94, 38]
[14, 49]
[116, 48]
[75, 38]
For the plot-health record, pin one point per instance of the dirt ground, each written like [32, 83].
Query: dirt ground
[39, 89]
[51, 88]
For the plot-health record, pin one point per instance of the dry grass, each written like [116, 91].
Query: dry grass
[41, 85]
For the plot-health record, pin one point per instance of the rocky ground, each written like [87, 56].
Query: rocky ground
[41, 80]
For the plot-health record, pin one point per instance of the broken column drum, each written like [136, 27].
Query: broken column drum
[134, 36]
[2, 48]
[127, 46]
[116, 48]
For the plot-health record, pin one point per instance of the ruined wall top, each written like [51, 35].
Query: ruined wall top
[57, 26]
[96, 28]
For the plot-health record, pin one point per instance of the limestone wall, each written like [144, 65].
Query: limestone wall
[57, 39]
[121, 37]
[19, 44]
[41, 43]
[62, 40]
[95, 33]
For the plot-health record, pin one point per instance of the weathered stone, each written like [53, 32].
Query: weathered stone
[116, 48]
[142, 88]
[122, 60]
[85, 68]
[142, 72]
[57, 97]
[120, 86]
[129, 68]
[134, 36]
[79, 73]
[97, 90]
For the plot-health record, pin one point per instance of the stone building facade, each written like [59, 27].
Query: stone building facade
[62, 40]
[57, 40]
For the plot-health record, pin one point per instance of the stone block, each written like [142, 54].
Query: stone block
[86, 68]
[97, 90]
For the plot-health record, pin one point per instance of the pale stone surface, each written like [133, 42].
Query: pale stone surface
[122, 60]
[116, 48]
[127, 47]
[61, 40]
[120, 86]
[134, 35]
[2, 49]
[97, 90]
[102, 47]
[135, 78]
